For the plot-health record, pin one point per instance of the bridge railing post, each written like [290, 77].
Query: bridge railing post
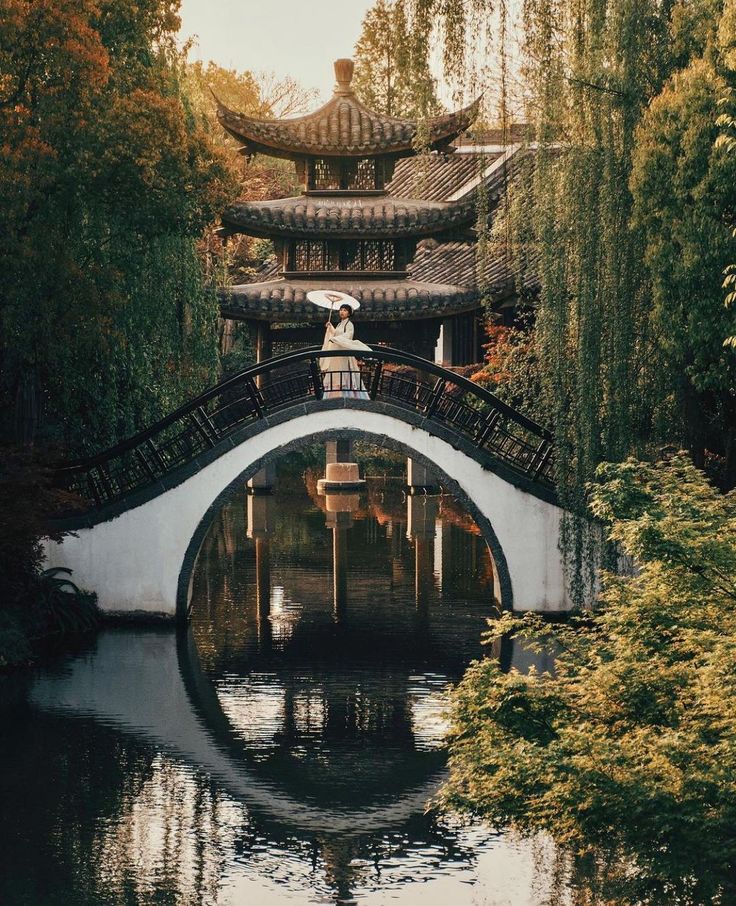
[487, 427]
[105, 480]
[201, 428]
[208, 424]
[256, 397]
[316, 374]
[141, 457]
[375, 384]
[156, 453]
[540, 459]
[437, 393]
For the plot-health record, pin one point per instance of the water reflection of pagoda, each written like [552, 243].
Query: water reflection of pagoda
[347, 231]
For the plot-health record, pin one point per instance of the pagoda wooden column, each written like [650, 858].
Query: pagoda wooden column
[444, 350]
[263, 341]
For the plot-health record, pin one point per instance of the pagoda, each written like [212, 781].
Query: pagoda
[347, 231]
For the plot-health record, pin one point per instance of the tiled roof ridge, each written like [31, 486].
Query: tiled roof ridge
[380, 299]
[386, 215]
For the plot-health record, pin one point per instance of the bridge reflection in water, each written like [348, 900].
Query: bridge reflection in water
[295, 732]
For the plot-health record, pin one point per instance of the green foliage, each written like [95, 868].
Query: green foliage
[36, 604]
[463, 25]
[62, 607]
[108, 180]
[727, 123]
[627, 756]
[257, 178]
[239, 351]
[592, 83]
[684, 188]
[392, 73]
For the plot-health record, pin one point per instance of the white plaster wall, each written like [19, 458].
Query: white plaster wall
[133, 561]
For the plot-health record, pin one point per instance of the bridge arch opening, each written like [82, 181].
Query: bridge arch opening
[449, 484]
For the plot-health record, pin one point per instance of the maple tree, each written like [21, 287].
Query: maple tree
[512, 369]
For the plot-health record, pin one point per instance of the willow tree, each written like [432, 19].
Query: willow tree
[392, 72]
[591, 68]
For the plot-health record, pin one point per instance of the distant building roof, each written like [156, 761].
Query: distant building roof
[456, 177]
[436, 177]
[497, 273]
[342, 127]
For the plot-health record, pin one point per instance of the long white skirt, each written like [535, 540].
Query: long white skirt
[341, 374]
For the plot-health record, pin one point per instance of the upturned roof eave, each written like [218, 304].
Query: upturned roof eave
[285, 144]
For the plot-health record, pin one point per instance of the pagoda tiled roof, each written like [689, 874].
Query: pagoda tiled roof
[283, 300]
[348, 216]
[343, 127]
[445, 277]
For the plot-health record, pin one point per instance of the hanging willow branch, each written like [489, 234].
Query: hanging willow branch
[590, 68]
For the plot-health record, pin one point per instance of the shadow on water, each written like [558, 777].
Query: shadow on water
[283, 750]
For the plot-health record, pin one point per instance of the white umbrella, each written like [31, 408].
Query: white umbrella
[331, 298]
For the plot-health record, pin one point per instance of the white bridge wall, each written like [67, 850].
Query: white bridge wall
[133, 561]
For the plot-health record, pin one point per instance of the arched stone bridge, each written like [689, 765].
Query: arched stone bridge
[150, 500]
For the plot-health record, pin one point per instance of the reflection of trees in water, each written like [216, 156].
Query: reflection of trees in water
[105, 819]
[101, 818]
[61, 781]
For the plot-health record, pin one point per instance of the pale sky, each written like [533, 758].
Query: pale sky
[300, 38]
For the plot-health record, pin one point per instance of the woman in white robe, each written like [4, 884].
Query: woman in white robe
[340, 374]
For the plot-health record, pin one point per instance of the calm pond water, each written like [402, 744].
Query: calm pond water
[285, 748]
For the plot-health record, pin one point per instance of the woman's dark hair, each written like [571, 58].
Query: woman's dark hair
[347, 308]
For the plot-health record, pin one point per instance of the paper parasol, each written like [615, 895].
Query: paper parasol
[331, 298]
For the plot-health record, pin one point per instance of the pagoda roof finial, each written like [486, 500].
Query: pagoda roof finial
[344, 75]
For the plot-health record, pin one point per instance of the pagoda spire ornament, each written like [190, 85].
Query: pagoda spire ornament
[344, 76]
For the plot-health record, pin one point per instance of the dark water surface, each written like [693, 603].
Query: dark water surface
[285, 748]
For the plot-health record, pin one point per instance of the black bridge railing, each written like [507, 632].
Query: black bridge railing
[405, 380]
